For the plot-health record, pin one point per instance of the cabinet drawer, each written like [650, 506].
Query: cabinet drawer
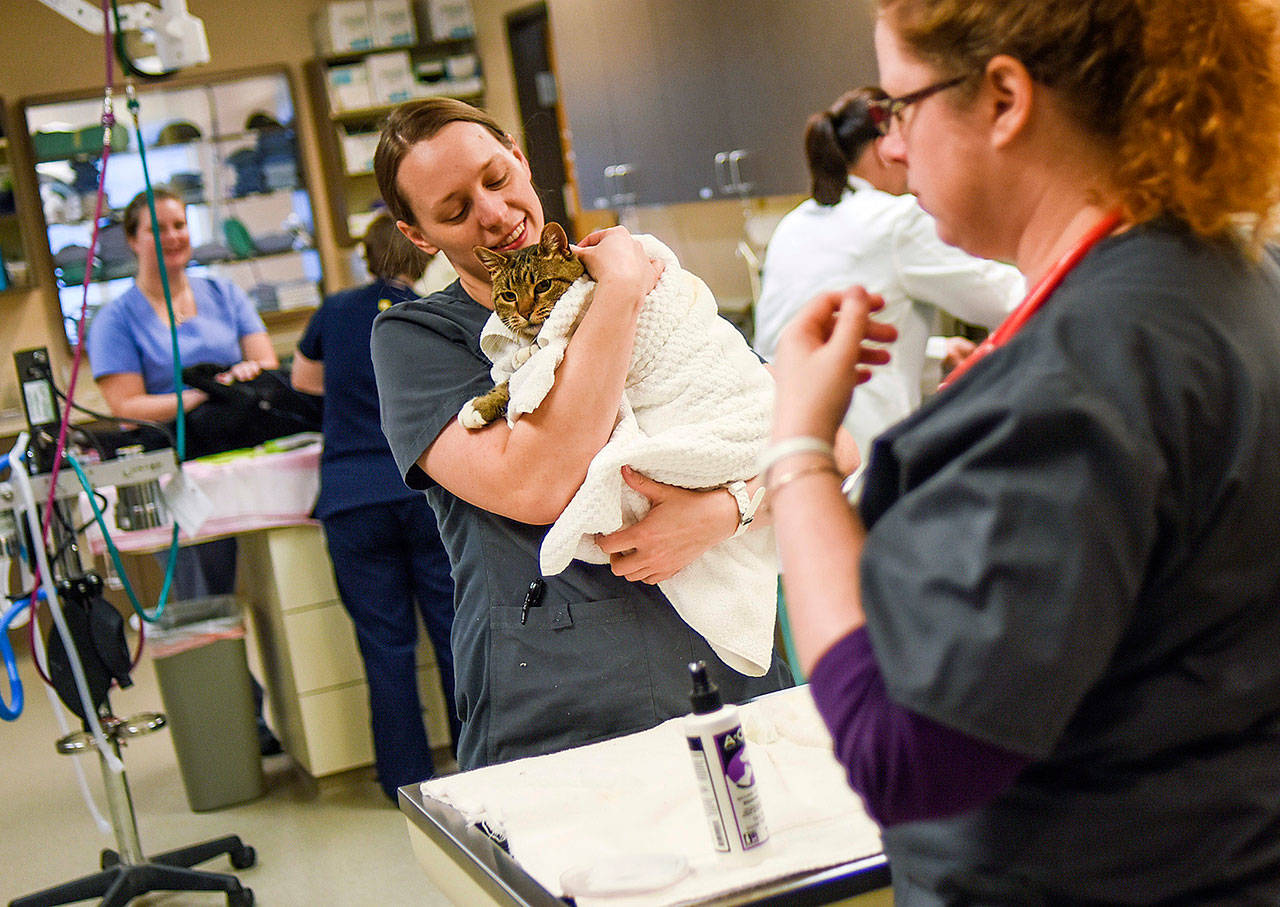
[322, 648]
[336, 726]
[294, 565]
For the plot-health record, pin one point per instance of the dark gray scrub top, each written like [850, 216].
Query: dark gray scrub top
[1074, 553]
[600, 656]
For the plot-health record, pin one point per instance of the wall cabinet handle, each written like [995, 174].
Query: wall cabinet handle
[619, 178]
[723, 182]
[735, 171]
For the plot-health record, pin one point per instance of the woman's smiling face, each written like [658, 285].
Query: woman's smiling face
[175, 237]
[467, 189]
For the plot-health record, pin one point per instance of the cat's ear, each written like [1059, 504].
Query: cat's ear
[492, 261]
[554, 240]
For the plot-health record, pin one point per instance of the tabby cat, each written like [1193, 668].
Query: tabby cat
[527, 283]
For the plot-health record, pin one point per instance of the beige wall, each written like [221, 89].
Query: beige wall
[491, 44]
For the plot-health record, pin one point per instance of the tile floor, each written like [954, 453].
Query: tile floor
[336, 841]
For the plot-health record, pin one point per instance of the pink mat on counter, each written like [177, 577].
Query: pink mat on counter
[253, 490]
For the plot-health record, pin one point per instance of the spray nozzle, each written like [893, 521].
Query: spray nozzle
[705, 696]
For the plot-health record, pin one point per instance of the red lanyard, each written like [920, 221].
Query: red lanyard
[1038, 295]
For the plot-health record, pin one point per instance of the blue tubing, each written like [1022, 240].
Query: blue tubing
[11, 710]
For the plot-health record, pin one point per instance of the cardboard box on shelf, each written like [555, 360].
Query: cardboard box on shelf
[357, 150]
[349, 87]
[463, 88]
[298, 294]
[450, 19]
[343, 26]
[390, 77]
[462, 66]
[427, 71]
[357, 224]
[393, 23]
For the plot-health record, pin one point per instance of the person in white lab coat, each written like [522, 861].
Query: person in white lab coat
[860, 227]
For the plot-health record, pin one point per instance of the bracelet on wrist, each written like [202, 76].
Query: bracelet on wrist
[787, 447]
[747, 503]
[812, 469]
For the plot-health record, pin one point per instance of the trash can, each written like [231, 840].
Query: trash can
[203, 670]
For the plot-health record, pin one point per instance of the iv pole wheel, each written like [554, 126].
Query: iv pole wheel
[122, 729]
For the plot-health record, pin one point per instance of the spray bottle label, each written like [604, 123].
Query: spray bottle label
[740, 816]
[707, 788]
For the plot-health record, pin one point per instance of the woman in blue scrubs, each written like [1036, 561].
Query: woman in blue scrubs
[130, 346]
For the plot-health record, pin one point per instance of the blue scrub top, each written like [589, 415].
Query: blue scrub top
[126, 336]
[356, 468]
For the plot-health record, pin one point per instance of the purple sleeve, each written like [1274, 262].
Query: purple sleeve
[905, 766]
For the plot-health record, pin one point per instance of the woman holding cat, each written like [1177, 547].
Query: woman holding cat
[596, 651]
[1046, 643]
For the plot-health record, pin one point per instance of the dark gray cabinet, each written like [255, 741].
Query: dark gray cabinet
[604, 54]
[678, 100]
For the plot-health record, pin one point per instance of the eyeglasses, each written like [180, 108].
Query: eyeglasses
[883, 112]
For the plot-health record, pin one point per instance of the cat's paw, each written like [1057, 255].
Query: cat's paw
[470, 417]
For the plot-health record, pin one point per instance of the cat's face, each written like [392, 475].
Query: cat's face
[528, 282]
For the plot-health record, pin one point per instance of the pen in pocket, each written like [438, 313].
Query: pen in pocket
[532, 598]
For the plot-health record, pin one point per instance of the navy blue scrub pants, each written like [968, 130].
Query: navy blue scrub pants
[203, 569]
[386, 558]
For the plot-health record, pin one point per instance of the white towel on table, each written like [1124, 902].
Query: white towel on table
[695, 412]
[638, 794]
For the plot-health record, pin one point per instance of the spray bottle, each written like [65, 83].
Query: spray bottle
[726, 780]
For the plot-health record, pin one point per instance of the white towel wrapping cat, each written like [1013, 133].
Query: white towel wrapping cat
[695, 413]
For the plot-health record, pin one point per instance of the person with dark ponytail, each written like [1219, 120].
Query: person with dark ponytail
[860, 227]
[1045, 642]
[389, 563]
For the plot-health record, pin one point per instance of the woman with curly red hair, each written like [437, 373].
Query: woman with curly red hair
[1046, 641]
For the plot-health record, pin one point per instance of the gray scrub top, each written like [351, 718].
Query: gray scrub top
[600, 656]
[1074, 553]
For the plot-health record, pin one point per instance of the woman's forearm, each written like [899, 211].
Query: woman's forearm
[905, 766]
[820, 541]
[158, 407]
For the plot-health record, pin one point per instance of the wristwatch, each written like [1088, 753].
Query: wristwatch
[748, 504]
